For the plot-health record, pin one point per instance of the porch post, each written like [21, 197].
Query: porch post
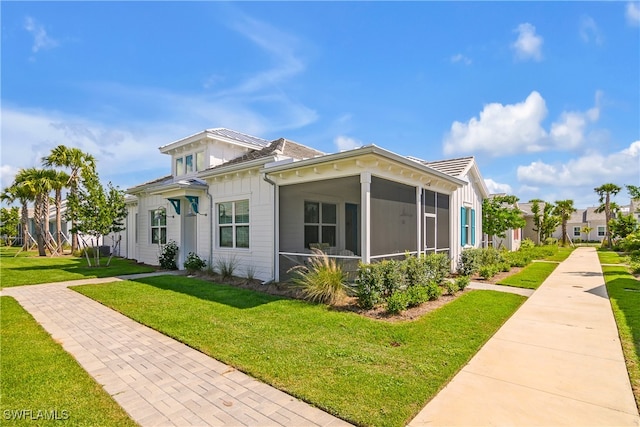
[365, 203]
[419, 219]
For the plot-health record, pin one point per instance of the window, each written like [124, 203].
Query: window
[467, 226]
[188, 161]
[200, 161]
[576, 232]
[233, 224]
[179, 166]
[320, 221]
[159, 226]
[601, 231]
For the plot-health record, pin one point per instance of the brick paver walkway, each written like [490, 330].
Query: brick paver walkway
[156, 379]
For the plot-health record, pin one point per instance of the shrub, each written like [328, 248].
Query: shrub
[630, 243]
[438, 266]
[504, 267]
[517, 258]
[527, 244]
[194, 263]
[393, 277]
[397, 302]
[226, 266]
[550, 241]
[322, 280]
[419, 294]
[488, 271]
[369, 285]
[462, 282]
[167, 258]
[451, 287]
[469, 261]
[490, 256]
[415, 271]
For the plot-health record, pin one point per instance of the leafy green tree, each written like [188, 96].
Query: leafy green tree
[586, 230]
[537, 217]
[545, 221]
[22, 195]
[634, 191]
[623, 225]
[606, 191]
[564, 209]
[97, 212]
[60, 180]
[9, 222]
[499, 214]
[80, 165]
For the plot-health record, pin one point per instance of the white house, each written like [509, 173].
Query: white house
[265, 204]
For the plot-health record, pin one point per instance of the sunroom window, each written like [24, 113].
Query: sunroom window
[320, 223]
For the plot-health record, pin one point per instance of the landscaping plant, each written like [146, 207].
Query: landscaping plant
[167, 258]
[194, 263]
[323, 280]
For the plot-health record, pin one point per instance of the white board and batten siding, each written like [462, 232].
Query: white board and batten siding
[467, 196]
[258, 259]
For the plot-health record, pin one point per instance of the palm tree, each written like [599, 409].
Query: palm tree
[60, 181]
[23, 195]
[39, 183]
[79, 163]
[564, 209]
[605, 191]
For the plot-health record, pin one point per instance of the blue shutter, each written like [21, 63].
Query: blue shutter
[473, 227]
[463, 226]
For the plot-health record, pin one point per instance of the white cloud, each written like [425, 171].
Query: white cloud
[27, 136]
[496, 187]
[460, 58]
[633, 13]
[344, 143]
[592, 169]
[502, 130]
[528, 44]
[589, 30]
[41, 40]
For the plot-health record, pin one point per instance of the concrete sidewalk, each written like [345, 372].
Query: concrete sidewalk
[156, 379]
[556, 361]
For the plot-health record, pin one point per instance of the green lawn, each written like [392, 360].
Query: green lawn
[530, 277]
[366, 371]
[42, 382]
[607, 256]
[561, 254]
[624, 294]
[30, 269]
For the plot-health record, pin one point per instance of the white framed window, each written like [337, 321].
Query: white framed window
[233, 224]
[602, 231]
[179, 166]
[188, 163]
[158, 226]
[200, 160]
[576, 231]
[320, 223]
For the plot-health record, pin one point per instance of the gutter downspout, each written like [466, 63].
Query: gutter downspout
[210, 197]
[275, 230]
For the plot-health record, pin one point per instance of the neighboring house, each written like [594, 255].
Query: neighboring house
[575, 225]
[264, 205]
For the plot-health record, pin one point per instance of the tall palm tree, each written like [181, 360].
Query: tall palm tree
[60, 181]
[605, 191]
[564, 209]
[23, 195]
[39, 183]
[79, 163]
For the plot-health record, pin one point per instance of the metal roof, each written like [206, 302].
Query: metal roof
[238, 136]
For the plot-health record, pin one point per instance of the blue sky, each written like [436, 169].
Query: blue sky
[545, 95]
